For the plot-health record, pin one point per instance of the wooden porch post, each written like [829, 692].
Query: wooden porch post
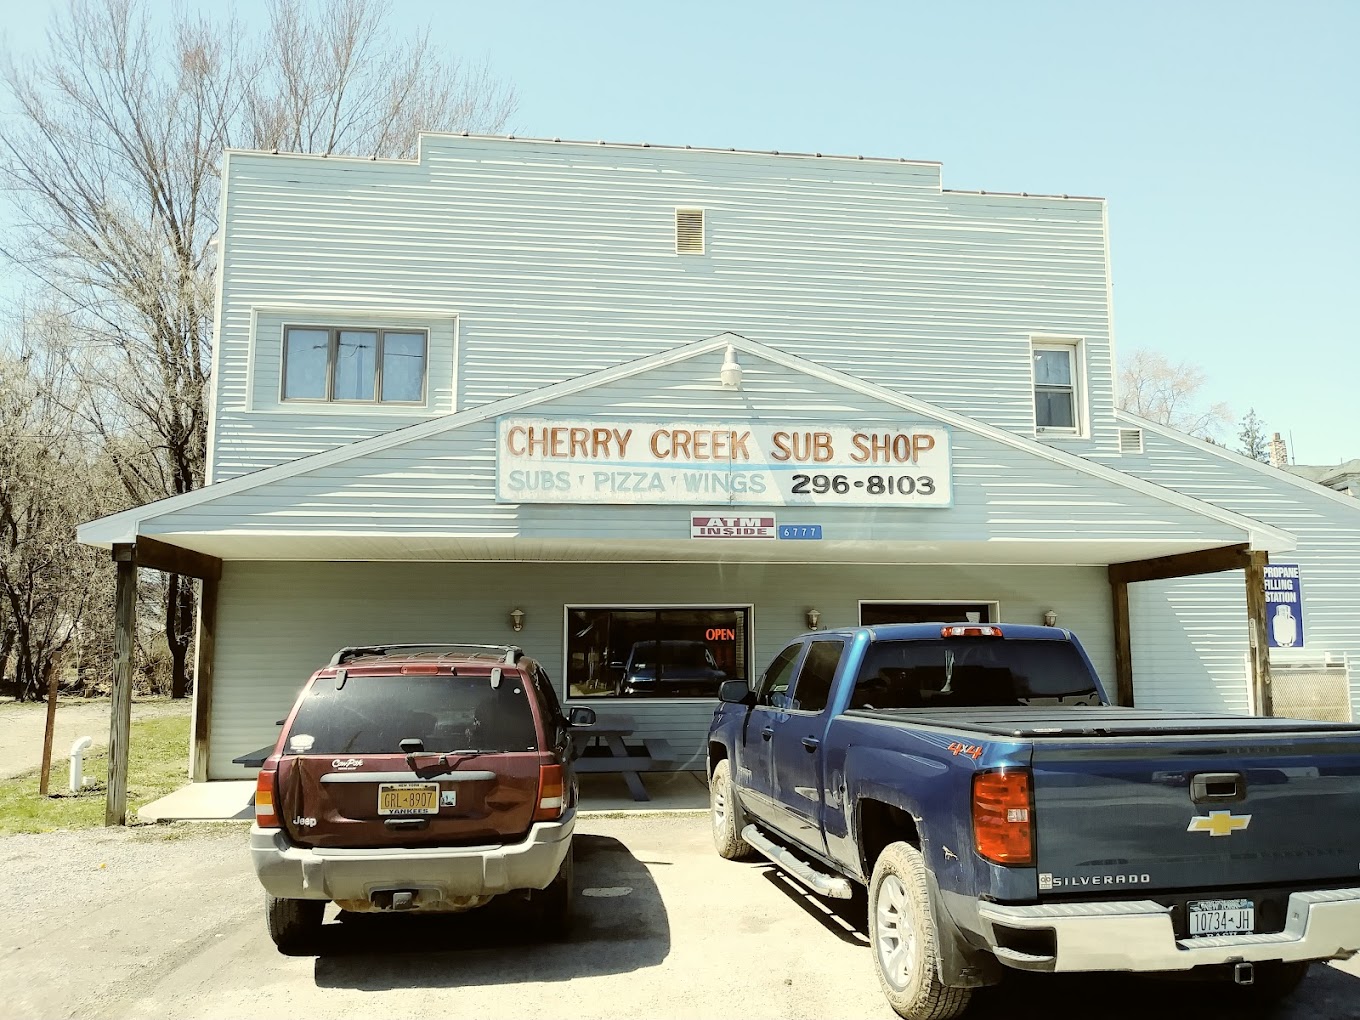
[120, 718]
[1123, 642]
[203, 678]
[1255, 570]
[153, 553]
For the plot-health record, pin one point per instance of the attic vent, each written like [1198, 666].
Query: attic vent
[689, 231]
[1130, 440]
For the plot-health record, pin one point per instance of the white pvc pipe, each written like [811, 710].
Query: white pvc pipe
[78, 749]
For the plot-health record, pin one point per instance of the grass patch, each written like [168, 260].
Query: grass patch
[157, 764]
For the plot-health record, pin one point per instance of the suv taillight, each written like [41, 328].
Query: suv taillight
[266, 816]
[1003, 816]
[552, 800]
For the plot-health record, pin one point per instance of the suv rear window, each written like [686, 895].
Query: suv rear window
[374, 714]
[973, 672]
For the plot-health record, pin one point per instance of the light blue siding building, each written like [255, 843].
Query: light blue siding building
[619, 389]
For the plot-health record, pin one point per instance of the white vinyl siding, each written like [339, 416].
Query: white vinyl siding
[278, 622]
[445, 484]
[1198, 623]
[560, 260]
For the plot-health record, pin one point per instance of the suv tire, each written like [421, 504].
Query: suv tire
[902, 934]
[294, 925]
[726, 815]
[553, 905]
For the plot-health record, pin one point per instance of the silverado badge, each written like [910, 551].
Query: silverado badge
[1219, 823]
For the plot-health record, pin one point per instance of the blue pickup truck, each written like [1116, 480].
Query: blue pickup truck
[1001, 813]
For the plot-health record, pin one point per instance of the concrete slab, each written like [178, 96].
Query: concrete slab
[219, 801]
[226, 800]
[670, 792]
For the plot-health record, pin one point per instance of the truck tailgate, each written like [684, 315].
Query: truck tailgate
[1141, 813]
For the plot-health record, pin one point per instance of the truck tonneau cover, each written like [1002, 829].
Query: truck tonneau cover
[1037, 722]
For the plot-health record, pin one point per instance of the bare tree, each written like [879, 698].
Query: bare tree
[113, 160]
[51, 477]
[345, 83]
[1153, 387]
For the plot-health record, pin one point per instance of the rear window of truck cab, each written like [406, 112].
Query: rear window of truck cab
[374, 714]
[972, 672]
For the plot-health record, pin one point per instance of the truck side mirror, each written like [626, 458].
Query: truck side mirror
[581, 717]
[735, 692]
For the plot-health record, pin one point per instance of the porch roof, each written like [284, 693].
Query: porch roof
[428, 491]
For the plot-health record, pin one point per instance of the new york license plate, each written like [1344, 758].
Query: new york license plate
[1222, 917]
[408, 798]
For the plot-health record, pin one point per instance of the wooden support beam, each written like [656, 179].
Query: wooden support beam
[120, 718]
[1207, 561]
[158, 555]
[1259, 647]
[203, 679]
[1123, 644]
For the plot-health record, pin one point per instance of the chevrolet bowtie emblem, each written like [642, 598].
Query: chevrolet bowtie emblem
[1219, 823]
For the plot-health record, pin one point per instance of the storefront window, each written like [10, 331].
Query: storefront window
[655, 653]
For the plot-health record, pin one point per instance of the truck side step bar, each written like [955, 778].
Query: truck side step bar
[831, 886]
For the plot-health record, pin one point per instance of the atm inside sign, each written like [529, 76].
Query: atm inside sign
[731, 526]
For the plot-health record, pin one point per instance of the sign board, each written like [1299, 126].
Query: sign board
[1284, 605]
[730, 525]
[553, 460]
[801, 532]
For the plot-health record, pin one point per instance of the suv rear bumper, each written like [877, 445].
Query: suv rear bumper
[440, 874]
[1138, 936]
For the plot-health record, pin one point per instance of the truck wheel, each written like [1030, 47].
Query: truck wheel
[294, 925]
[902, 935]
[726, 816]
[553, 904]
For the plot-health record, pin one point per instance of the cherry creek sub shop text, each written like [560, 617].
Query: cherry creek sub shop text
[550, 441]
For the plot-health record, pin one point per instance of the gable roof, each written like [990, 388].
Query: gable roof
[123, 527]
[1286, 474]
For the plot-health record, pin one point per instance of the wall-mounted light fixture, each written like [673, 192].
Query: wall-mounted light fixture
[517, 619]
[813, 618]
[730, 373]
[1050, 618]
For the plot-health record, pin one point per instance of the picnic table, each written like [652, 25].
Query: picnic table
[606, 736]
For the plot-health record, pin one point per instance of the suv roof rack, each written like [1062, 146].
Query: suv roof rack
[508, 654]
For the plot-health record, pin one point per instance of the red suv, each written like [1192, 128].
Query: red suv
[417, 777]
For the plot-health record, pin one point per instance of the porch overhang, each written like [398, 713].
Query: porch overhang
[362, 547]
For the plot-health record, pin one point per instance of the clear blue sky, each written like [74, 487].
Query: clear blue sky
[1226, 137]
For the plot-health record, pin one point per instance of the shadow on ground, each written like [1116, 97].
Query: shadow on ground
[614, 933]
[1326, 994]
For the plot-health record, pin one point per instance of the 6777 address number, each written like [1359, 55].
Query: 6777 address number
[874, 485]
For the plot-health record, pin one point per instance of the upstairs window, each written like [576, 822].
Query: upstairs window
[1057, 400]
[359, 366]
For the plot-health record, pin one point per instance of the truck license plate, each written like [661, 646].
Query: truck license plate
[408, 798]
[1222, 917]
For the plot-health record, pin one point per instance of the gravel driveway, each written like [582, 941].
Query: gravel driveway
[158, 927]
[22, 724]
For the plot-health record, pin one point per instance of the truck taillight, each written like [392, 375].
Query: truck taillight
[266, 816]
[552, 799]
[1003, 816]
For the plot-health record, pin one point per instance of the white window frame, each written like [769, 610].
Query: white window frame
[1075, 347]
[993, 605]
[379, 336]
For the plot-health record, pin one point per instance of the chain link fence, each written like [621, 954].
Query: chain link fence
[1311, 691]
